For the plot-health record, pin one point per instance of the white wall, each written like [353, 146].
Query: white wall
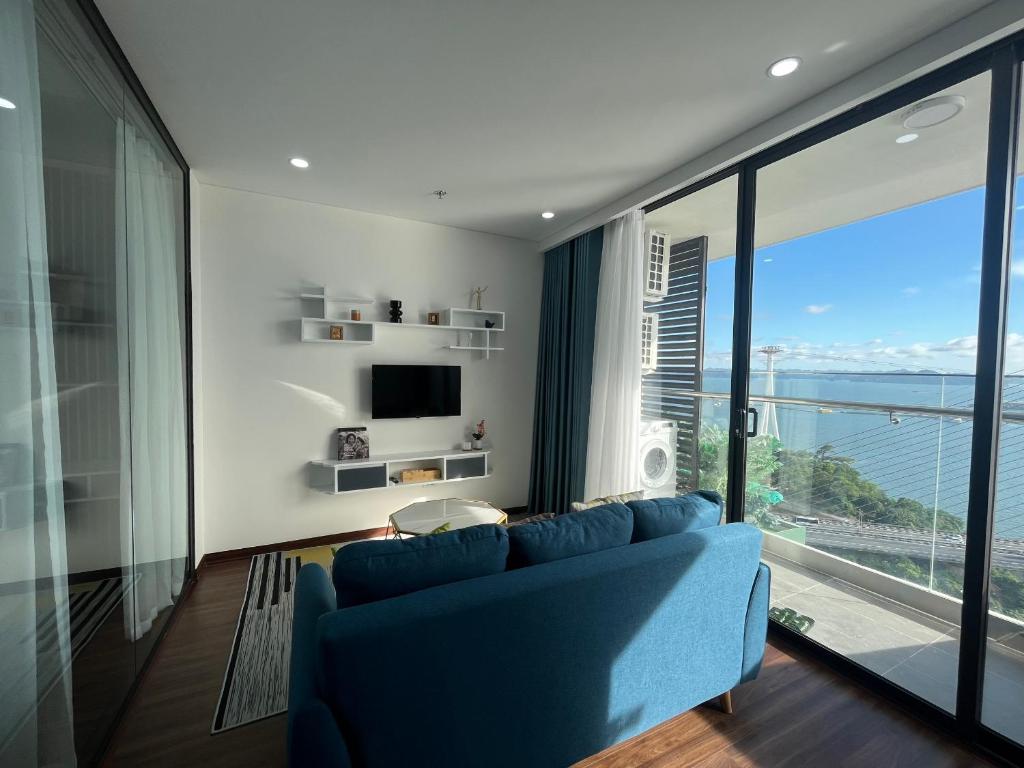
[271, 403]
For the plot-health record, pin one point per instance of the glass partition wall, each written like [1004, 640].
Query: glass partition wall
[94, 510]
[850, 383]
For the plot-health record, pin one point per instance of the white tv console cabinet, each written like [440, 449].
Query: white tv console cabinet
[336, 477]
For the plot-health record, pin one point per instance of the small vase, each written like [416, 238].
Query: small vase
[396, 311]
[477, 445]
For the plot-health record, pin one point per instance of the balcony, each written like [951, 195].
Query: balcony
[864, 506]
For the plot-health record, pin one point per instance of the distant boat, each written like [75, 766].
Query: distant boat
[824, 410]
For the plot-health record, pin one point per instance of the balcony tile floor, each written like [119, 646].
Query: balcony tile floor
[910, 648]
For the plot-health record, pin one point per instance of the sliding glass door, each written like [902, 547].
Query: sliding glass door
[1003, 684]
[854, 358]
[687, 375]
[862, 358]
[94, 459]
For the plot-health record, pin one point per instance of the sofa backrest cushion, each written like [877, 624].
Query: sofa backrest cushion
[366, 571]
[579, 533]
[654, 518]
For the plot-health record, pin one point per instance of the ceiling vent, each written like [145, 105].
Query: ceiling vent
[931, 112]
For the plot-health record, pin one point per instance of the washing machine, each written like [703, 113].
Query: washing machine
[658, 458]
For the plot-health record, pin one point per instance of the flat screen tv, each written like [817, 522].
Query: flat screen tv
[415, 391]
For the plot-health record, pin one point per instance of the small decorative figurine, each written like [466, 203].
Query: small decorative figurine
[433, 318]
[337, 333]
[478, 292]
[396, 311]
[488, 323]
[481, 430]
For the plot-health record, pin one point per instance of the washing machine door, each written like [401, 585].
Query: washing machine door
[656, 468]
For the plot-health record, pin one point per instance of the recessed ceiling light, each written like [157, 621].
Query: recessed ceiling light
[783, 67]
[548, 215]
[933, 111]
[5, 104]
[906, 138]
[299, 162]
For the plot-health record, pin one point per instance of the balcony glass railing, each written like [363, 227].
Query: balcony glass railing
[884, 485]
[865, 505]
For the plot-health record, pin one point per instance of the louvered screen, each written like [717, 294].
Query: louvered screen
[679, 355]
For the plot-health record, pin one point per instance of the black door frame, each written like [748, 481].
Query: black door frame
[1003, 59]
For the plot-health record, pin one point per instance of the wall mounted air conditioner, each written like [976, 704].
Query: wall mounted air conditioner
[649, 342]
[657, 245]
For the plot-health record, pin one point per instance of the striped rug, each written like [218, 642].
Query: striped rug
[256, 680]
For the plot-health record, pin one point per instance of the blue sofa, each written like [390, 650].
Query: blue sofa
[537, 666]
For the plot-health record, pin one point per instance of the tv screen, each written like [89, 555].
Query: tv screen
[414, 391]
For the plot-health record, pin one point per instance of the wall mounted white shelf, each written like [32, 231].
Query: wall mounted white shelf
[354, 331]
[376, 473]
[475, 328]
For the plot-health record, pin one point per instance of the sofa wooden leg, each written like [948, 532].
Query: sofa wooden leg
[725, 702]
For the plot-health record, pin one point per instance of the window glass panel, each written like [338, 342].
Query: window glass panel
[687, 391]
[864, 335]
[1003, 684]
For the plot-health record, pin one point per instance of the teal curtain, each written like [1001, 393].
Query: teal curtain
[565, 361]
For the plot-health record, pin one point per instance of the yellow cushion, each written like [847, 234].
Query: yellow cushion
[622, 498]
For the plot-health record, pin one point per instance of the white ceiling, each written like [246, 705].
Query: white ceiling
[512, 107]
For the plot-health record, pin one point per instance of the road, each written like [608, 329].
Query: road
[889, 540]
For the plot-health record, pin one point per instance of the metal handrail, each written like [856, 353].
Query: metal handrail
[910, 410]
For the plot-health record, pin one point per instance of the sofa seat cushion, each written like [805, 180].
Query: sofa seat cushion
[580, 533]
[654, 518]
[367, 571]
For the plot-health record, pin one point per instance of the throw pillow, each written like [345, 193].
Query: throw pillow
[654, 518]
[564, 536]
[622, 498]
[531, 519]
[367, 571]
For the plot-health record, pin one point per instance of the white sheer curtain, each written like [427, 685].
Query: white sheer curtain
[148, 287]
[613, 462]
[35, 652]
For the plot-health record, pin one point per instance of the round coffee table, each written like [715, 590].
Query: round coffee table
[424, 517]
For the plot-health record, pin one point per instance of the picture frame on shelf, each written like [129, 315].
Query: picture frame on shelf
[353, 443]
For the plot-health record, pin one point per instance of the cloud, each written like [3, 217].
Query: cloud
[954, 355]
[817, 309]
[1017, 268]
[911, 290]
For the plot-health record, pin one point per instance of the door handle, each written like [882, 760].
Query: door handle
[753, 430]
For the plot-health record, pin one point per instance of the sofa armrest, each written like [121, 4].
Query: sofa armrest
[313, 735]
[755, 630]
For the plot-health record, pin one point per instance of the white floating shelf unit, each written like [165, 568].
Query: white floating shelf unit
[475, 329]
[376, 473]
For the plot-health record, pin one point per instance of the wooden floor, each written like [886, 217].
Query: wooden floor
[797, 713]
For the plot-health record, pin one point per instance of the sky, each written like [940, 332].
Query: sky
[897, 291]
